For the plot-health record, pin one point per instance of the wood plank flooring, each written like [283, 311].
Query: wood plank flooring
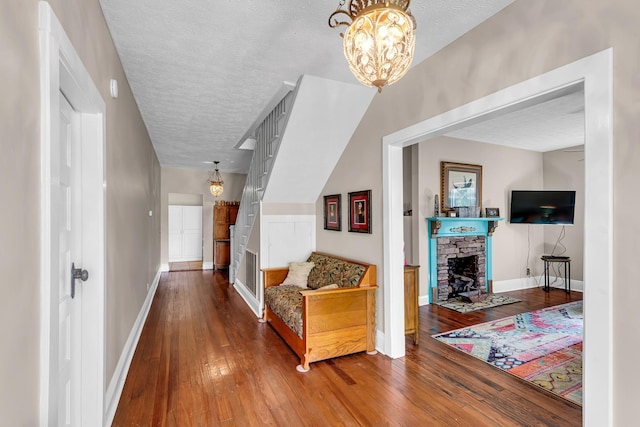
[185, 266]
[204, 360]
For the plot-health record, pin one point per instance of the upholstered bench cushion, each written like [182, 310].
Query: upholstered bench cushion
[286, 302]
[329, 270]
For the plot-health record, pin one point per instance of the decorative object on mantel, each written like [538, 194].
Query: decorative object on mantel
[379, 42]
[543, 347]
[333, 212]
[461, 187]
[461, 306]
[216, 185]
[360, 211]
[492, 212]
[436, 206]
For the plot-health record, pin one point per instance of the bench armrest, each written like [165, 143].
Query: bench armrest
[274, 276]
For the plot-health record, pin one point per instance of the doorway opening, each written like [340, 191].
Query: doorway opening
[595, 72]
[185, 238]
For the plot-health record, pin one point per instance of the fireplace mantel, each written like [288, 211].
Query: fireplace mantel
[448, 227]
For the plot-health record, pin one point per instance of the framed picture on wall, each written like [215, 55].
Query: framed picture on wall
[360, 211]
[332, 209]
[460, 186]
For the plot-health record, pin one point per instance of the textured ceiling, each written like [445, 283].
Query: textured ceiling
[550, 125]
[201, 71]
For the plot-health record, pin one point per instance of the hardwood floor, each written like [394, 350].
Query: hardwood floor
[185, 266]
[204, 360]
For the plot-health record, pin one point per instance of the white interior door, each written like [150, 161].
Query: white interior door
[175, 233]
[185, 233]
[192, 233]
[69, 239]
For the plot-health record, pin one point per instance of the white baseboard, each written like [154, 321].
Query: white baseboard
[164, 268]
[423, 300]
[248, 297]
[114, 391]
[516, 284]
[380, 341]
[534, 282]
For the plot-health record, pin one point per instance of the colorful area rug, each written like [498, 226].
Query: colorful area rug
[465, 307]
[543, 347]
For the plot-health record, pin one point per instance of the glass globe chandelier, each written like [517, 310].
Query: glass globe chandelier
[215, 182]
[379, 42]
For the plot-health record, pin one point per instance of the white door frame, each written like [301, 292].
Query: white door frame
[596, 72]
[61, 70]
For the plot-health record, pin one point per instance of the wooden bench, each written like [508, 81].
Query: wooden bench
[335, 322]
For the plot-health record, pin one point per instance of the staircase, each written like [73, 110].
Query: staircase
[268, 135]
[299, 138]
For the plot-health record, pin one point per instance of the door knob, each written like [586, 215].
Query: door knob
[77, 273]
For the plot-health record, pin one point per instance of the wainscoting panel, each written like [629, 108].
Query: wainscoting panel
[286, 238]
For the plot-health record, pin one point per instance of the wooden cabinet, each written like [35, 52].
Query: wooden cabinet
[411, 313]
[221, 253]
[223, 217]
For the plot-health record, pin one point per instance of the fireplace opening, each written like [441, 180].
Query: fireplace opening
[463, 276]
[463, 256]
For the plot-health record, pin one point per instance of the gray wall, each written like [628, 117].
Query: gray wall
[564, 170]
[133, 189]
[503, 169]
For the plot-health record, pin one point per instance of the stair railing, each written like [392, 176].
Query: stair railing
[268, 135]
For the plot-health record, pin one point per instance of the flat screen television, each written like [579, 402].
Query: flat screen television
[542, 207]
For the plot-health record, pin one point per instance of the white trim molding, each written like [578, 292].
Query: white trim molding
[534, 282]
[595, 72]
[62, 72]
[250, 299]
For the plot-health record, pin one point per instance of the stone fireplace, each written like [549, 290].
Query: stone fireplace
[459, 256]
[461, 265]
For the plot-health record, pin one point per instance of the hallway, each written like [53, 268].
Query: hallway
[204, 360]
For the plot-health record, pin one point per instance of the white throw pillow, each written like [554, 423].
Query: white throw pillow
[298, 274]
